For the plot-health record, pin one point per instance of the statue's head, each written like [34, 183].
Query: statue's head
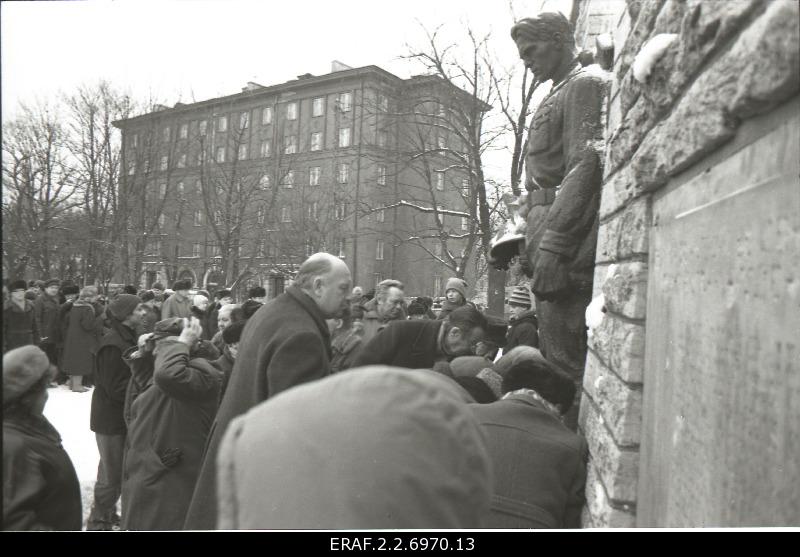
[544, 42]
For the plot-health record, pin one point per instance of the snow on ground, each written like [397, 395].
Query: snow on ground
[69, 413]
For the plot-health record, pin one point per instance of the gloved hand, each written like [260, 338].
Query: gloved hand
[171, 457]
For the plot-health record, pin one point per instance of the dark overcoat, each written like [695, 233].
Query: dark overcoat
[410, 344]
[539, 465]
[40, 487]
[285, 343]
[45, 311]
[84, 330]
[19, 326]
[175, 411]
[524, 330]
[112, 375]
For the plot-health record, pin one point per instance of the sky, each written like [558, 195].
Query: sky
[192, 50]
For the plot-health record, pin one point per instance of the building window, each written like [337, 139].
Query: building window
[266, 116]
[465, 223]
[131, 168]
[440, 181]
[244, 120]
[442, 112]
[261, 250]
[215, 250]
[312, 211]
[344, 137]
[343, 173]
[162, 219]
[290, 144]
[182, 161]
[162, 191]
[465, 185]
[340, 210]
[383, 102]
[313, 176]
[379, 251]
[380, 216]
[220, 154]
[381, 174]
[318, 107]
[288, 179]
[437, 285]
[164, 162]
[198, 187]
[166, 134]
[437, 249]
[383, 138]
[198, 218]
[316, 141]
[441, 142]
[262, 214]
[195, 250]
[378, 278]
[201, 158]
[184, 131]
[266, 148]
[242, 152]
[134, 141]
[222, 124]
[264, 182]
[345, 102]
[291, 111]
[341, 247]
[286, 214]
[202, 127]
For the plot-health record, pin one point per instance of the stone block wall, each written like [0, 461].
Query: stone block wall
[731, 62]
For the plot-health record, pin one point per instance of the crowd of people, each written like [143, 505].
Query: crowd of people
[324, 407]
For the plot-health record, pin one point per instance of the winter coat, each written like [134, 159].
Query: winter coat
[371, 321]
[40, 486]
[380, 448]
[141, 365]
[84, 330]
[225, 364]
[45, 311]
[111, 377]
[524, 330]
[410, 344]
[345, 347]
[286, 343]
[175, 411]
[19, 326]
[539, 465]
[172, 307]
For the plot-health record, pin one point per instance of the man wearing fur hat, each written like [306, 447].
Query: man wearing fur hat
[19, 323]
[40, 487]
[108, 401]
[179, 304]
[45, 311]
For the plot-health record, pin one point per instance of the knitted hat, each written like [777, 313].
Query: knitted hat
[123, 306]
[70, 289]
[17, 285]
[520, 297]
[52, 282]
[157, 286]
[184, 284]
[23, 367]
[457, 284]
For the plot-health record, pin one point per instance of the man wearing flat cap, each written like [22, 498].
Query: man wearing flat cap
[563, 163]
[112, 375]
[179, 304]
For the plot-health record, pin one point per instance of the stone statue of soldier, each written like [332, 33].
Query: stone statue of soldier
[563, 165]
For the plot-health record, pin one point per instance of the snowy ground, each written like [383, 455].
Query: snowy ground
[69, 413]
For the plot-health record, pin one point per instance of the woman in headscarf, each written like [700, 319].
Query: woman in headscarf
[40, 487]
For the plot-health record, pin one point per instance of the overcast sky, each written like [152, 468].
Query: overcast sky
[186, 50]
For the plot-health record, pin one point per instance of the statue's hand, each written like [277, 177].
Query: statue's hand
[550, 276]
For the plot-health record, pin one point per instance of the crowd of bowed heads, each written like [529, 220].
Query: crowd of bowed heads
[322, 408]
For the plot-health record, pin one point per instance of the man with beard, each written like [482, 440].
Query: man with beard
[279, 349]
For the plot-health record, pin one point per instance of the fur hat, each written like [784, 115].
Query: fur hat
[124, 305]
[51, 282]
[70, 289]
[184, 284]
[257, 292]
[469, 366]
[416, 308]
[219, 294]
[233, 333]
[23, 367]
[17, 285]
[457, 284]
[168, 327]
[520, 297]
[147, 295]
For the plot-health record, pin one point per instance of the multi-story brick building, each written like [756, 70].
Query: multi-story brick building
[358, 162]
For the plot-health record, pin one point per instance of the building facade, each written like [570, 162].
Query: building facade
[239, 190]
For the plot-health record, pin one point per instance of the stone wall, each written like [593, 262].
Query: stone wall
[711, 96]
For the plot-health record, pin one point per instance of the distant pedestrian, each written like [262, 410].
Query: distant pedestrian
[179, 304]
[231, 337]
[84, 330]
[285, 344]
[45, 311]
[258, 294]
[40, 486]
[378, 448]
[19, 323]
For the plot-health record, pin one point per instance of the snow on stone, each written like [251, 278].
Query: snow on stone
[595, 314]
[651, 51]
